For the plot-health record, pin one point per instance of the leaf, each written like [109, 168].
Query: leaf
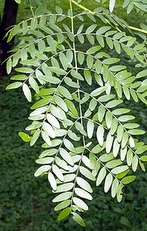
[48, 152]
[84, 184]
[119, 169]
[120, 132]
[124, 139]
[100, 135]
[111, 5]
[61, 163]
[46, 138]
[113, 163]
[13, 85]
[85, 172]
[48, 128]
[64, 187]
[39, 111]
[88, 77]
[57, 172]
[78, 219]
[120, 111]
[143, 158]
[82, 193]
[34, 84]
[108, 182]
[116, 147]
[114, 188]
[66, 156]
[80, 128]
[113, 103]
[109, 142]
[25, 137]
[71, 83]
[41, 103]
[58, 70]
[108, 119]
[80, 203]
[63, 91]
[128, 179]
[77, 75]
[81, 58]
[62, 197]
[73, 136]
[89, 61]
[106, 157]
[134, 163]
[71, 107]
[35, 137]
[24, 69]
[90, 128]
[101, 176]
[53, 121]
[9, 66]
[56, 112]
[136, 132]
[91, 28]
[62, 205]
[101, 112]
[27, 92]
[64, 214]
[18, 1]
[98, 91]
[123, 153]
[69, 145]
[42, 169]
[60, 102]
[52, 181]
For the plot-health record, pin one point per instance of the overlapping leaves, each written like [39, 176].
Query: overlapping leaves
[87, 135]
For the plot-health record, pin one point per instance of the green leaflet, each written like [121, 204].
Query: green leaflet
[66, 156]
[14, 85]
[98, 91]
[25, 137]
[85, 172]
[27, 92]
[62, 197]
[84, 184]
[114, 188]
[64, 214]
[78, 219]
[101, 176]
[80, 203]
[60, 102]
[64, 187]
[52, 181]
[128, 179]
[88, 77]
[108, 182]
[90, 129]
[119, 169]
[41, 170]
[82, 193]
[62, 205]
[35, 137]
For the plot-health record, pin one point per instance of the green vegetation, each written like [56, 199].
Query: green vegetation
[26, 202]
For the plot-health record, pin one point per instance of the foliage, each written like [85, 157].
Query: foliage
[79, 90]
[25, 202]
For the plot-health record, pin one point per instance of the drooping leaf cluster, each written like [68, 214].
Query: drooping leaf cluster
[77, 91]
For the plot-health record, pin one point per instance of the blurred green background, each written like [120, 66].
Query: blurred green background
[25, 201]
